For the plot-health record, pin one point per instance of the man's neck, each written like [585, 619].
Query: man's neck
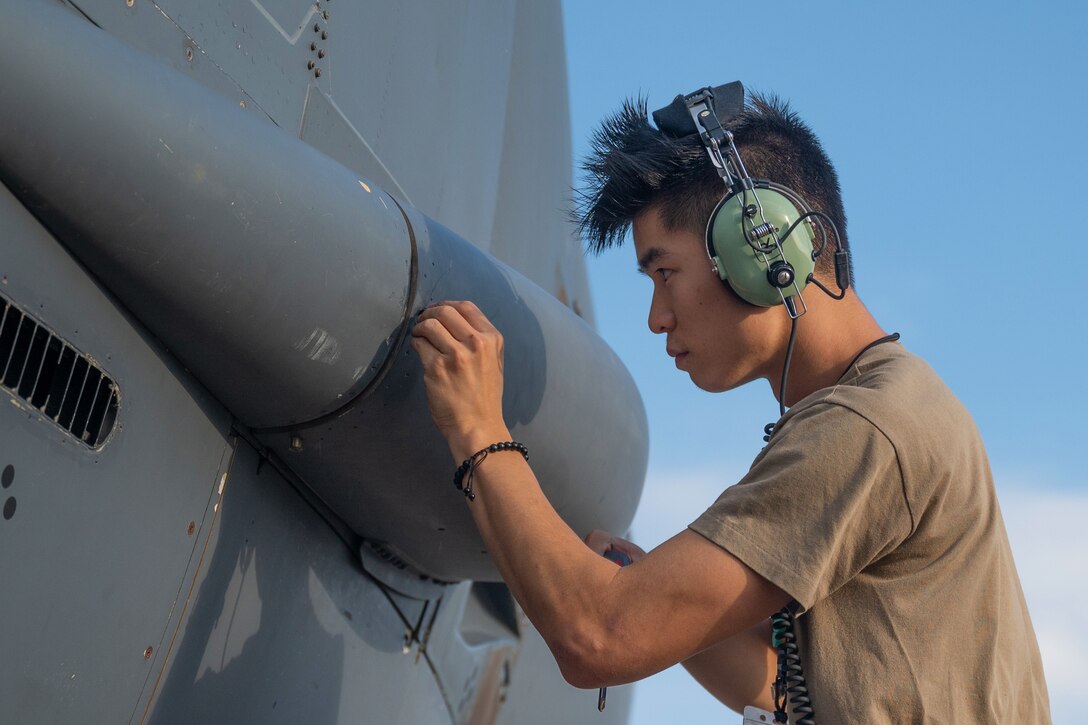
[829, 336]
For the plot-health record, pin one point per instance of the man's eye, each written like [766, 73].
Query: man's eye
[665, 274]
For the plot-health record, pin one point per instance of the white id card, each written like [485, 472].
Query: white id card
[755, 716]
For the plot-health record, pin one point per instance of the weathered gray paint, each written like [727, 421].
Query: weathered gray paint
[269, 268]
[464, 104]
[283, 627]
[283, 281]
[92, 562]
[460, 112]
[261, 614]
[382, 452]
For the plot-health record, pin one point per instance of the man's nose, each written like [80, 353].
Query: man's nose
[661, 318]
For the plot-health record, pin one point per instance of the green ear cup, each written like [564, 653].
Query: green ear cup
[739, 264]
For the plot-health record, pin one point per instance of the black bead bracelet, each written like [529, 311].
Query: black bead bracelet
[462, 477]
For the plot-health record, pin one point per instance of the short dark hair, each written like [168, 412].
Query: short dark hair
[632, 166]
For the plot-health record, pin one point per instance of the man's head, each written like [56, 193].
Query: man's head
[633, 166]
[666, 189]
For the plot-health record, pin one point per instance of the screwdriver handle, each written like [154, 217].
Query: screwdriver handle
[617, 557]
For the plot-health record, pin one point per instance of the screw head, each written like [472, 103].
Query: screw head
[147, 652]
[191, 528]
[296, 441]
[324, 35]
[780, 275]
[189, 54]
[310, 65]
[317, 72]
[321, 53]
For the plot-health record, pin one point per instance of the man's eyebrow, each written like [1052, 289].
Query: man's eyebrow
[652, 254]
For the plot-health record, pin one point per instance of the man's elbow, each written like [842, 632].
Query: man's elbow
[595, 655]
[582, 661]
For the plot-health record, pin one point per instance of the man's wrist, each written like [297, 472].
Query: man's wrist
[465, 442]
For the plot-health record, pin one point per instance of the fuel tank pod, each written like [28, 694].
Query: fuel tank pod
[287, 285]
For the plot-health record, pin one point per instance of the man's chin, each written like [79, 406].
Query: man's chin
[715, 385]
[709, 385]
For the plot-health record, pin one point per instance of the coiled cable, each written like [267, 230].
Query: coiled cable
[789, 683]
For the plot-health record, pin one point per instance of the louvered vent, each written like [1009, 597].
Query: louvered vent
[54, 377]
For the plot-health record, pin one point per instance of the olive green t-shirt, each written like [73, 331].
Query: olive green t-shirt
[873, 506]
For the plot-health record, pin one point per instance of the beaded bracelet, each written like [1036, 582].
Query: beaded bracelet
[462, 477]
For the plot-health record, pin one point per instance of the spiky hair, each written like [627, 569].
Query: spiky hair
[632, 166]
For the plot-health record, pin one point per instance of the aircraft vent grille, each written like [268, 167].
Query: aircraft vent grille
[62, 383]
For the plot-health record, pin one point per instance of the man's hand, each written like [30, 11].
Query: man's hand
[462, 355]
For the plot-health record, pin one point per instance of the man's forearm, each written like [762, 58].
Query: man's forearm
[559, 582]
[738, 671]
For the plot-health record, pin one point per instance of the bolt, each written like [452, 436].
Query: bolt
[242, 103]
[189, 54]
[321, 53]
[147, 652]
[310, 65]
[324, 35]
[317, 72]
[191, 528]
[313, 46]
[296, 444]
[317, 27]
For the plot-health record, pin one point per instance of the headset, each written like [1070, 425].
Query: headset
[762, 239]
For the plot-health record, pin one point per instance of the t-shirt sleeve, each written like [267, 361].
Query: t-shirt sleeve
[822, 501]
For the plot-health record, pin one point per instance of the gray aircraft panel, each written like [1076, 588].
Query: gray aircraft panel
[532, 231]
[327, 129]
[144, 26]
[263, 46]
[429, 90]
[447, 98]
[93, 557]
[284, 627]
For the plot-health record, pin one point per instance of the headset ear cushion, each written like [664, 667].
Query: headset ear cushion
[739, 262]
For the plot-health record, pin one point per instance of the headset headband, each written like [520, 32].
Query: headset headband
[675, 119]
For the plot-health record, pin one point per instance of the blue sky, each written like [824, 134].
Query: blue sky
[958, 134]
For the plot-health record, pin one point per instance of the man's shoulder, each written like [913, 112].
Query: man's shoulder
[893, 392]
[896, 391]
